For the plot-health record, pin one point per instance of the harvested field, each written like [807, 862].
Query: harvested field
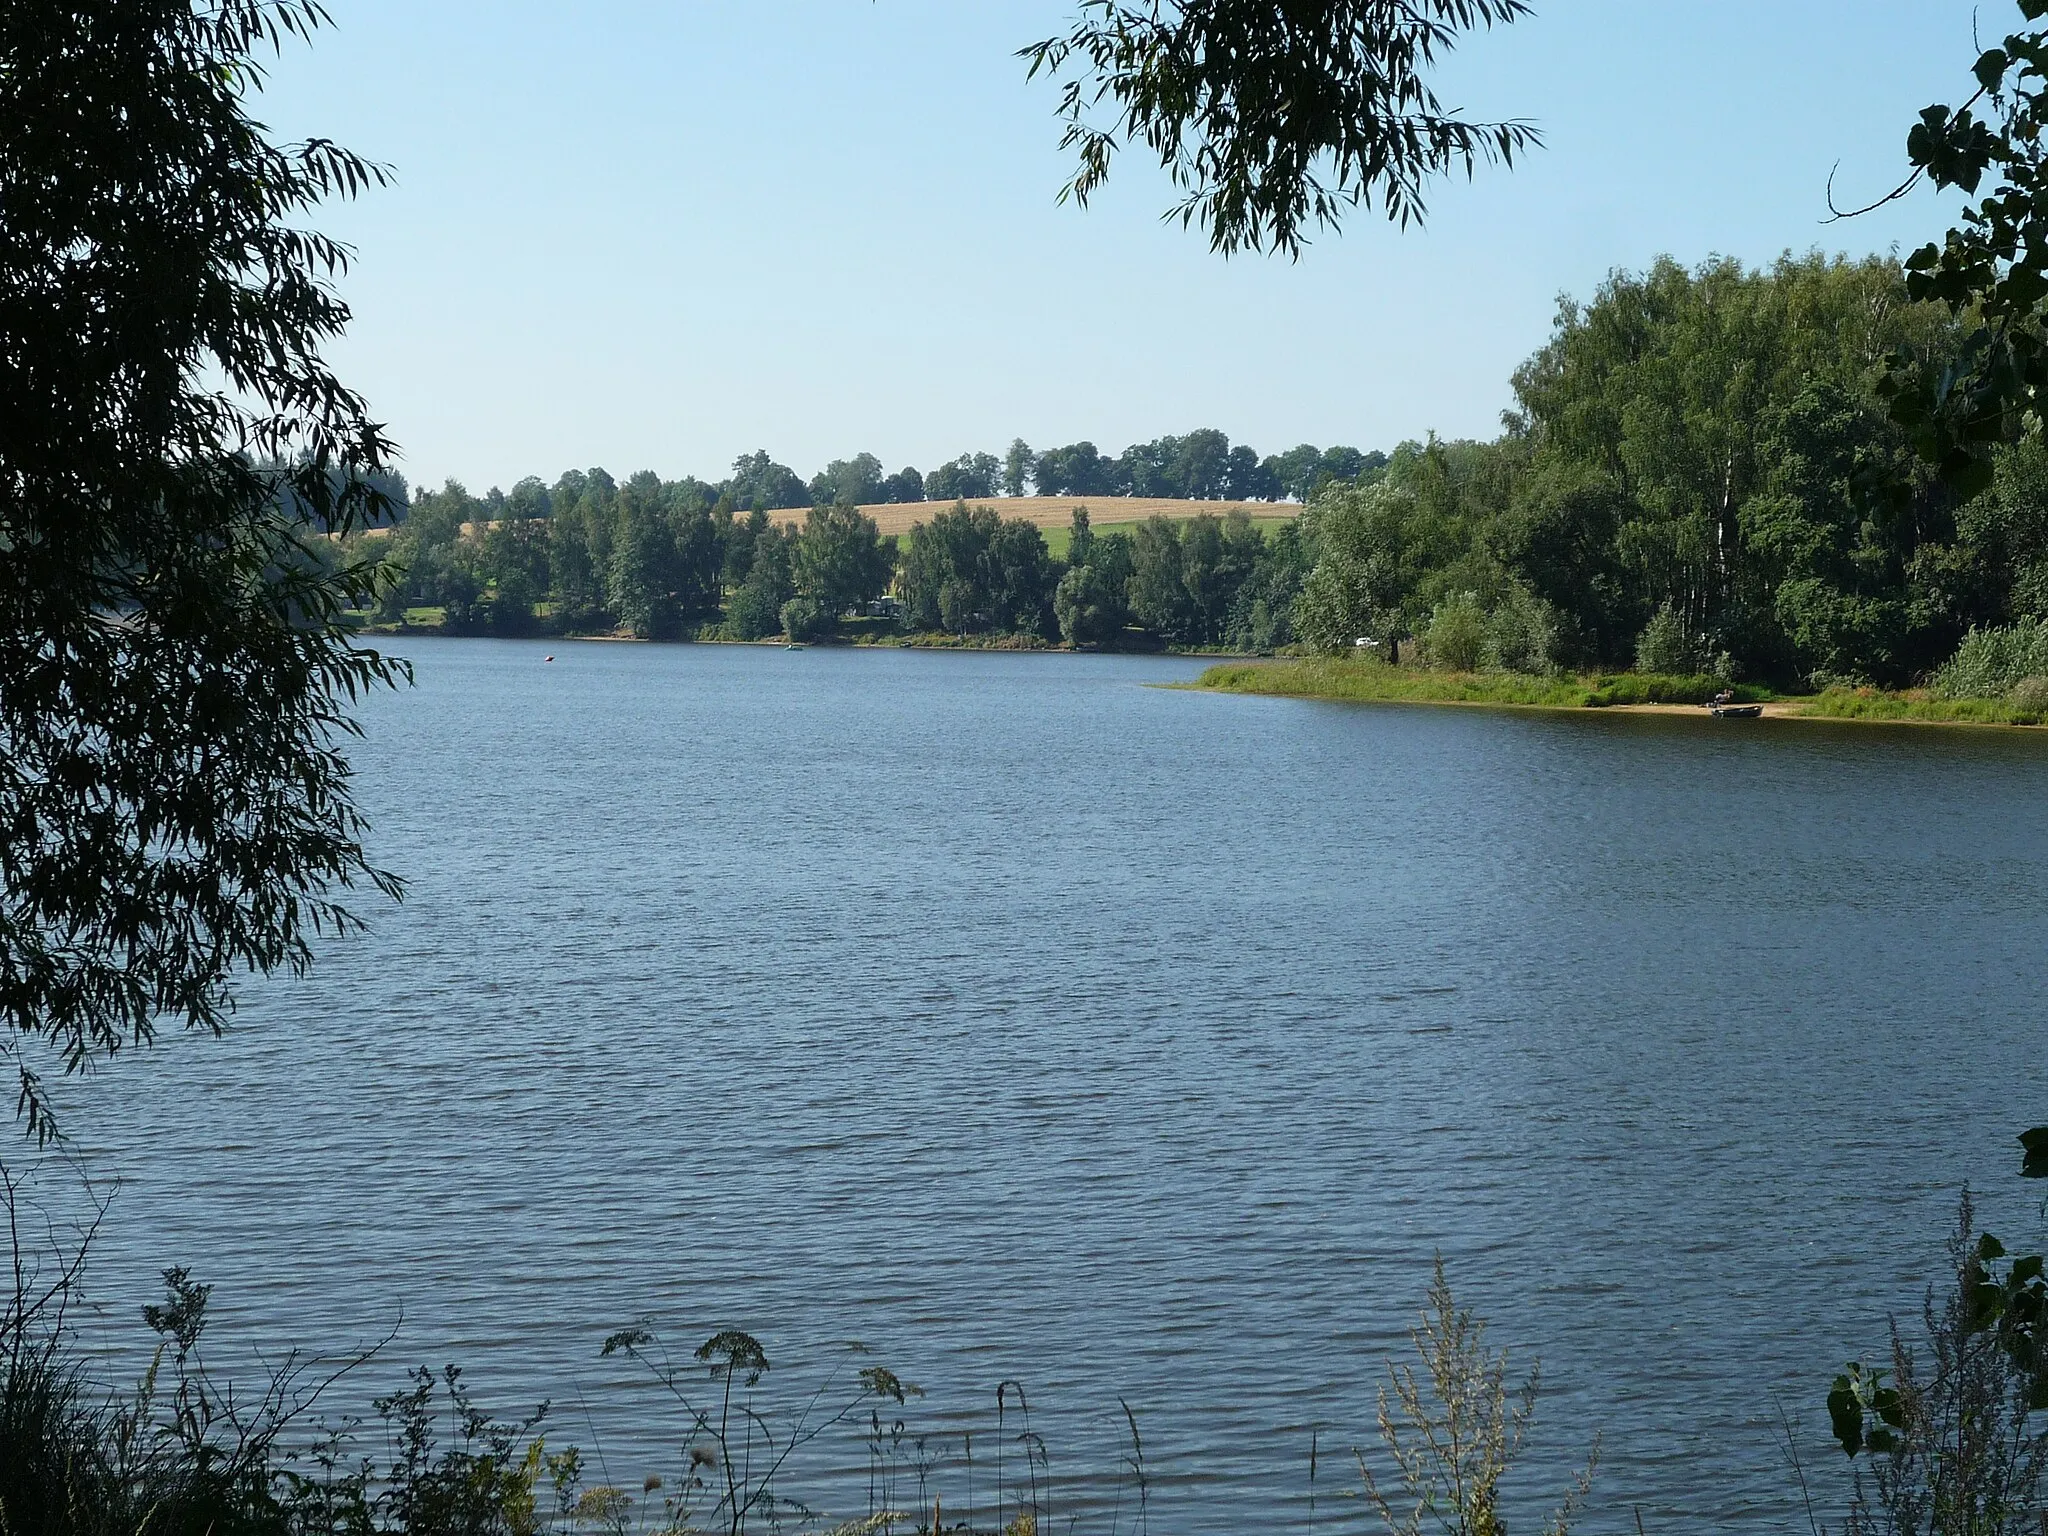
[1058, 511]
[1048, 512]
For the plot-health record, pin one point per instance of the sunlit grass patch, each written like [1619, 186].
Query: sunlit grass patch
[1917, 704]
[1372, 682]
[1365, 681]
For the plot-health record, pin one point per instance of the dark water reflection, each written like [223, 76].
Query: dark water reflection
[1027, 1022]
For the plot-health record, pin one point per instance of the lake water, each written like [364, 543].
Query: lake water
[1032, 1023]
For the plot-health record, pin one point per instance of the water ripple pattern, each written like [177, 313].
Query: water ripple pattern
[1029, 1022]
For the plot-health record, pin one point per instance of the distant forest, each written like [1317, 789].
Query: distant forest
[1700, 475]
[667, 559]
[1202, 466]
[638, 557]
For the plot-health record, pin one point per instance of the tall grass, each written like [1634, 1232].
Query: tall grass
[1924, 706]
[186, 1455]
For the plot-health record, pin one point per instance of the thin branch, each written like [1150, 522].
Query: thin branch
[1836, 215]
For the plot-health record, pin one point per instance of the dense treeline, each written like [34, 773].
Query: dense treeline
[661, 560]
[1202, 466]
[669, 559]
[1700, 476]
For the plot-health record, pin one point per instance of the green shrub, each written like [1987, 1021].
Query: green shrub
[1667, 648]
[1947, 1428]
[754, 612]
[1521, 634]
[1089, 606]
[1456, 638]
[1343, 600]
[805, 618]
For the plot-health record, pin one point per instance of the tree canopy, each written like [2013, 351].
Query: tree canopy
[1990, 271]
[1274, 117]
[1701, 476]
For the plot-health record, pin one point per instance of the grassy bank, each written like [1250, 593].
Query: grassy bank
[1374, 682]
[1917, 706]
[1360, 681]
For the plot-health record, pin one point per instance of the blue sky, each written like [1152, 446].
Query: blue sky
[660, 235]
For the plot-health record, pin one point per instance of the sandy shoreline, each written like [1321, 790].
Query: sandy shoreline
[1777, 709]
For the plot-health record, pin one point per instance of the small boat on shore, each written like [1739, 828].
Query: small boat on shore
[1735, 711]
[794, 645]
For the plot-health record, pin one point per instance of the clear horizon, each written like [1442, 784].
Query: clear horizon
[824, 227]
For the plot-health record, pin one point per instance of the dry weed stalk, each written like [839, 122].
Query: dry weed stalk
[1454, 1430]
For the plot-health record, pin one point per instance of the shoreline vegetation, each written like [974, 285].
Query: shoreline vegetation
[634, 562]
[851, 635]
[1675, 495]
[1343, 679]
[1367, 680]
[830, 1443]
[188, 1452]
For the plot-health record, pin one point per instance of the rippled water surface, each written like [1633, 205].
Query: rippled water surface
[1028, 1022]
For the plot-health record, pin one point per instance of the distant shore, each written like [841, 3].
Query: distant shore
[873, 641]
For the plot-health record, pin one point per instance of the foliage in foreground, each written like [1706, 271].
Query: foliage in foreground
[1950, 1428]
[188, 1454]
[1273, 125]
[1951, 1445]
[174, 669]
[1949, 1432]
